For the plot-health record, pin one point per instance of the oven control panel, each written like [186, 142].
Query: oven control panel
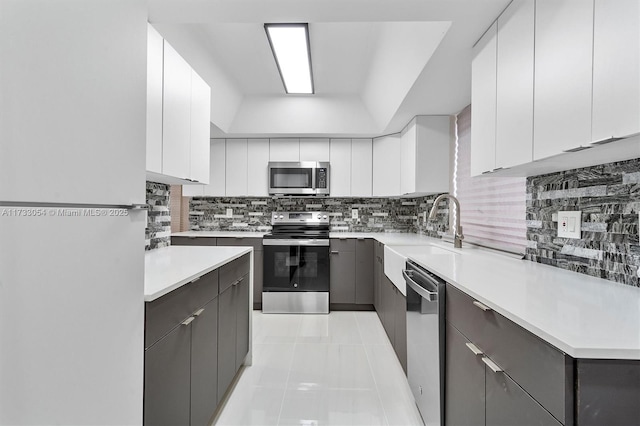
[309, 218]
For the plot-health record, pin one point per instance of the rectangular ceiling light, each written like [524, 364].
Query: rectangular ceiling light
[290, 46]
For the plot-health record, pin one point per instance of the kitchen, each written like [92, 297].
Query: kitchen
[79, 118]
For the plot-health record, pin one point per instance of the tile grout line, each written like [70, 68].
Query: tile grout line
[366, 354]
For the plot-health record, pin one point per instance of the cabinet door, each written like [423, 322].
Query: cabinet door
[284, 149]
[188, 241]
[241, 303]
[563, 76]
[258, 278]
[154, 99]
[364, 271]
[204, 364]
[400, 327]
[388, 307]
[314, 149]
[217, 176]
[386, 165]
[514, 113]
[464, 382]
[377, 290]
[433, 141]
[507, 404]
[616, 67]
[236, 168]
[176, 117]
[340, 159]
[408, 158]
[342, 276]
[361, 167]
[257, 162]
[200, 129]
[167, 379]
[226, 340]
[483, 103]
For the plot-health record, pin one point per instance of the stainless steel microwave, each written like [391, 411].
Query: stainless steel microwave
[299, 178]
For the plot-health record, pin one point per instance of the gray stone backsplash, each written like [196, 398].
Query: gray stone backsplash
[374, 214]
[609, 197]
[158, 231]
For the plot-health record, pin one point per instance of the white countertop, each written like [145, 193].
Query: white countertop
[168, 268]
[218, 234]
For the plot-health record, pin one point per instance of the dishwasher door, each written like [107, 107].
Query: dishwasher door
[425, 342]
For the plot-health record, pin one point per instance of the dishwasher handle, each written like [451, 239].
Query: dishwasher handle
[431, 296]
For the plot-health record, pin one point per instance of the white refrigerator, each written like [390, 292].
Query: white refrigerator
[72, 169]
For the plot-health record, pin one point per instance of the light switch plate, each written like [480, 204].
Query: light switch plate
[569, 224]
[229, 212]
[354, 213]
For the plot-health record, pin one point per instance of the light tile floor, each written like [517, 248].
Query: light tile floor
[336, 369]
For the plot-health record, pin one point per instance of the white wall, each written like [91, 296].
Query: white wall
[72, 129]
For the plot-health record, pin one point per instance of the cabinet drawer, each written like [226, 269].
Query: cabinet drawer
[542, 370]
[233, 271]
[256, 243]
[165, 313]
[348, 244]
[188, 241]
[204, 290]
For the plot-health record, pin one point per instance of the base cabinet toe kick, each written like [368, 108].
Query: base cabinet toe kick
[196, 340]
[498, 373]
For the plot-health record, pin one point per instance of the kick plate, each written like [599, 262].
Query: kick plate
[289, 302]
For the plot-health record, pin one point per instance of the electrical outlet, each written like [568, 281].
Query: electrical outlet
[569, 224]
[229, 212]
[354, 213]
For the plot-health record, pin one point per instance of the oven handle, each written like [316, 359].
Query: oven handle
[297, 243]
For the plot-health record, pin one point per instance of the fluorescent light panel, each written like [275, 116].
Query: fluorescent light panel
[290, 46]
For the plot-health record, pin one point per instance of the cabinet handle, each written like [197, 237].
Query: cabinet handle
[474, 349]
[481, 306]
[188, 321]
[486, 172]
[201, 310]
[335, 252]
[238, 281]
[195, 279]
[492, 365]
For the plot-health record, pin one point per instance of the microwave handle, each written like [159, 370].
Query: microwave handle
[314, 172]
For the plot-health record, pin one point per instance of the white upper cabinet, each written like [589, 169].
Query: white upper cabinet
[616, 69]
[340, 175]
[176, 123]
[514, 106]
[563, 76]
[361, 167]
[236, 168]
[217, 175]
[200, 129]
[424, 156]
[154, 99]
[483, 103]
[386, 165]
[286, 149]
[257, 161]
[314, 149]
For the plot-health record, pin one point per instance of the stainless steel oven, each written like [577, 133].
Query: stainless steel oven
[296, 264]
[299, 178]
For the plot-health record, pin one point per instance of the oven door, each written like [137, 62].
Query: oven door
[296, 265]
[292, 178]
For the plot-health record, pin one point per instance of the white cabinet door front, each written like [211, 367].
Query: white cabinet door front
[216, 187]
[361, 167]
[154, 99]
[408, 158]
[563, 76]
[284, 149]
[314, 149]
[514, 113]
[257, 162]
[616, 69]
[483, 103]
[200, 128]
[176, 122]
[236, 168]
[340, 177]
[386, 165]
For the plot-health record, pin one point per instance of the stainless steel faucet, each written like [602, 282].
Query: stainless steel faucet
[457, 235]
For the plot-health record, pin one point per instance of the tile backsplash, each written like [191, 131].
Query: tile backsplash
[609, 197]
[158, 231]
[374, 214]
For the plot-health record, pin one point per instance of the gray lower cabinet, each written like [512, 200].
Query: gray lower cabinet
[364, 271]
[393, 315]
[342, 275]
[378, 271]
[204, 361]
[193, 241]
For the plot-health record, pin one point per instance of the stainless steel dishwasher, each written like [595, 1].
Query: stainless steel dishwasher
[425, 341]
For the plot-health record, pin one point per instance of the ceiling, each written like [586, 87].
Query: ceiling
[376, 63]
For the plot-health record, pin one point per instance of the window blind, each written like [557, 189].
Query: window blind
[493, 209]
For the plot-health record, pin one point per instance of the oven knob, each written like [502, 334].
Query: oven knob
[324, 217]
[281, 216]
[319, 216]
